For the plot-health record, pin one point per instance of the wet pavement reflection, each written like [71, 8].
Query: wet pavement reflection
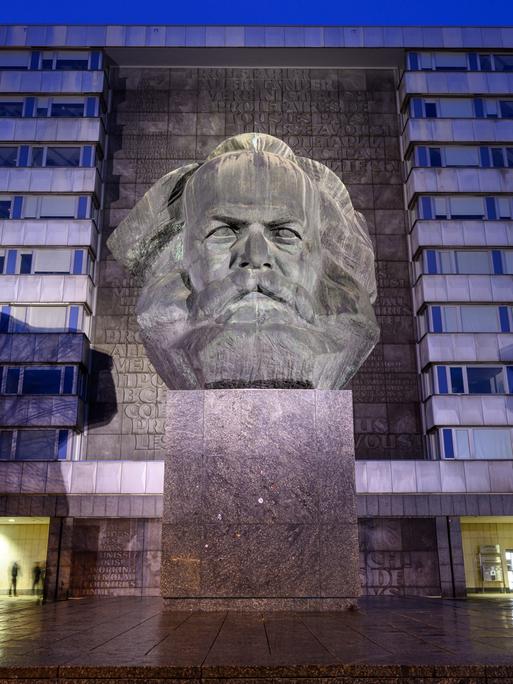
[136, 632]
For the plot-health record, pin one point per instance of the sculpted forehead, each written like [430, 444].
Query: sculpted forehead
[256, 181]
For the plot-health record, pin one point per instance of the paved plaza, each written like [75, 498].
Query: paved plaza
[387, 641]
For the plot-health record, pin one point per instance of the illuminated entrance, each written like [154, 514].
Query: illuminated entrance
[488, 554]
[23, 549]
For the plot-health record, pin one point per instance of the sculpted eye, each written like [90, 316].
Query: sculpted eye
[284, 234]
[222, 234]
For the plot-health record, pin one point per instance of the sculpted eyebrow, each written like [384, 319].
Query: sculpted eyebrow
[230, 220]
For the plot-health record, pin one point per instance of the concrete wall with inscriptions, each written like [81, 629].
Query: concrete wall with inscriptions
[347, 119]
[399, 557]
[119, 557]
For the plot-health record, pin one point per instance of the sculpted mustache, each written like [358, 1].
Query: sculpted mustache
[217, 297]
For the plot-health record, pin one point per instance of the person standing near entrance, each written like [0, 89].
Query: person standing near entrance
[37, 575]
[15, 571]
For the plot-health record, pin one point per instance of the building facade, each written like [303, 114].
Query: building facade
[417, 122]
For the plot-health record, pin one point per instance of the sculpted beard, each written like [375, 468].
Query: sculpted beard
[221, 299]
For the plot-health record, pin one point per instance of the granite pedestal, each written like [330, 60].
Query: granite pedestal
[259, 501]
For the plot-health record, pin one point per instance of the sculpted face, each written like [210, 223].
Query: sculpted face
[251, 240]
[255, 271]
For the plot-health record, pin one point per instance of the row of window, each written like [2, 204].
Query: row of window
[54, 60]
[38, 445]
[460, 155]
[472, 443]
[39, 380]
[459, 61]
[47, 207]
[465, 262]
[49, 156]
[44, 319]
[466, 318]
[46, 262]
[464, 207]
[460, 108]
[60, 106]
[468, 380]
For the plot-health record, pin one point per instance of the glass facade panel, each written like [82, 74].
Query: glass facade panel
[52, 261]
[5, 444]
[8, 156]
[470, 262]
[35, 445]
[41, 381]
[503, 62]
[71, 109]
[456, 108]
[462, 156]
[467, 207]
[63, 156]
[462, 443]
[485, 380]
[492, 443]
[479, 319]
[57, 207]
[11, 109]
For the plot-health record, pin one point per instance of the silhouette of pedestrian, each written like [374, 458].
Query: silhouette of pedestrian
[15, 571]
[37, 575]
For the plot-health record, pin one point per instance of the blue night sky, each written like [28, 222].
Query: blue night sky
[320, 12]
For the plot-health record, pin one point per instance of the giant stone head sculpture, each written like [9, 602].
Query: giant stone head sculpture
[256, 271]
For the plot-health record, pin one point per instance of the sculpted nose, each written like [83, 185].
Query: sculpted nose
[255, 253]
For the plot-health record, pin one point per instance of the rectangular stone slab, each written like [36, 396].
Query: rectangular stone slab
[259, 500]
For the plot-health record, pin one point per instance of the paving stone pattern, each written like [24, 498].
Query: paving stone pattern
[347, 119]
[389, 641]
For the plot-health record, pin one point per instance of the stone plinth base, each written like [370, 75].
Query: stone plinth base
[259, 501]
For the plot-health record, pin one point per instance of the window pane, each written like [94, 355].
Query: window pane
[35, 445]
[67, 109]
[509, 156]
[450, 314]
[29, 209]
[25, 263]
[430, 108]
[492, 443]
[507, 260]
[11, 109]
[457, 380]
[467, 207]
[472, 262]
[57, 207]
[5, 209]
[435, 158]
[479, 319]
[485, 62]
[485, 380]
[52, 261]
[37, 156]
[8, 156]
[12, 381]
[75, 64]
[5, 444]
[450, 60]
[42, 381]
[456, 108]
[503, 62]
[63, 156]
[462, 445]
[497, 157]
[462, 156]
[506, 109]
[47, 318]
[14, 60]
